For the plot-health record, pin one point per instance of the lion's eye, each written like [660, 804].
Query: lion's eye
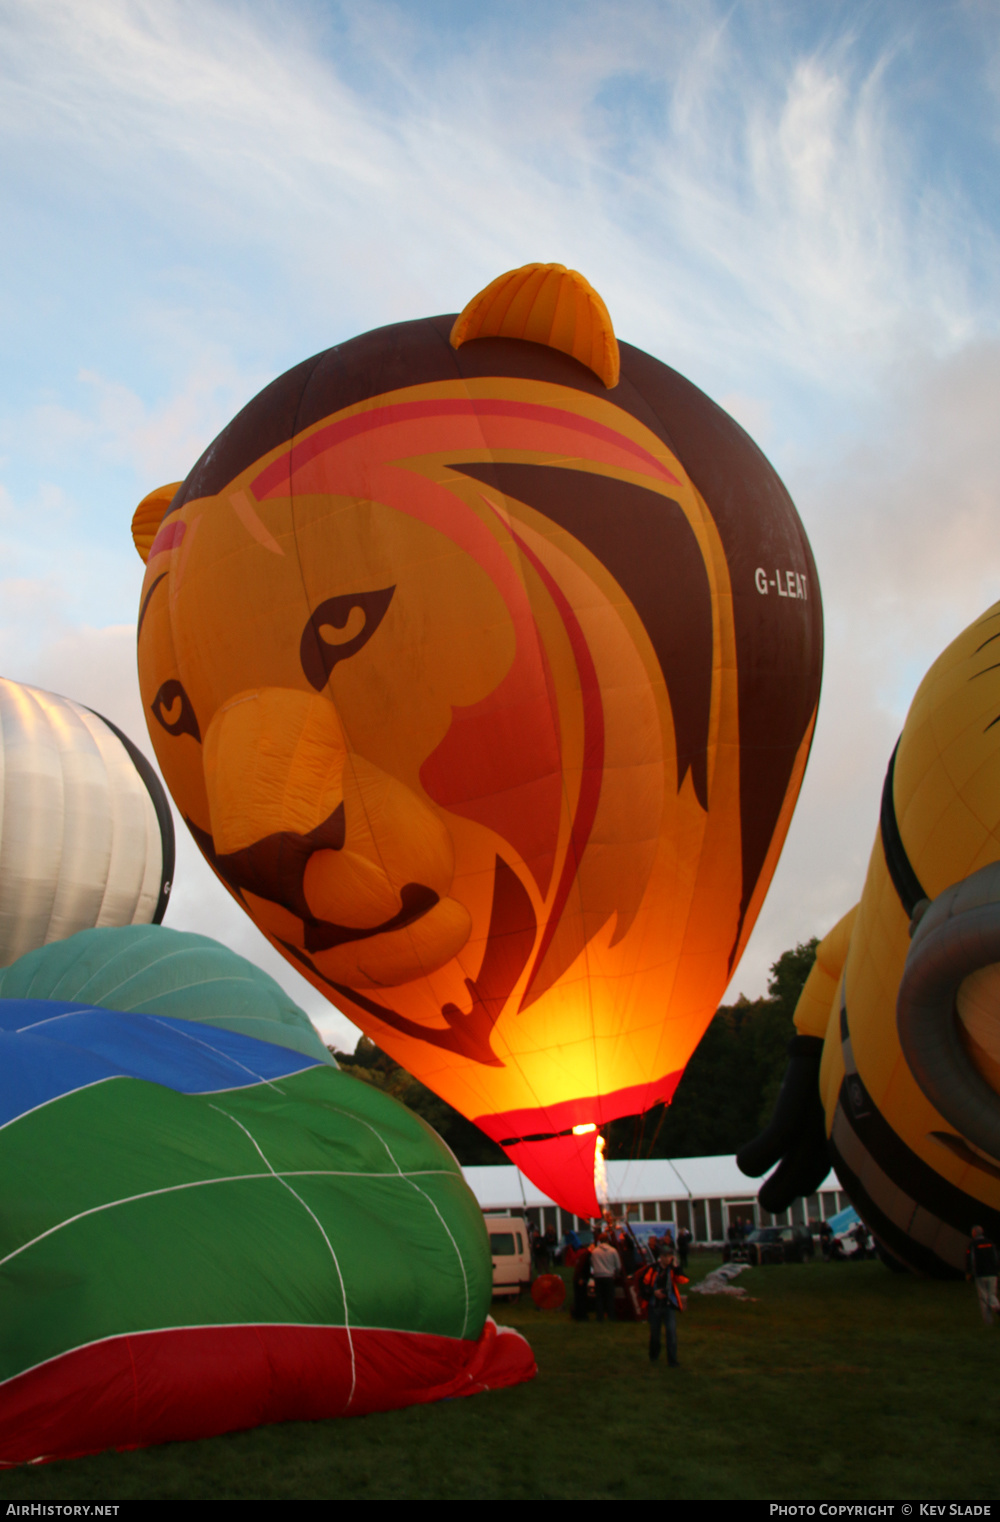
[330, 634]
[172, 708]
[338, 628]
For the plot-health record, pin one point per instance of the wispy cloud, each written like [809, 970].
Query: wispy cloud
[159, 442]
[727, 189]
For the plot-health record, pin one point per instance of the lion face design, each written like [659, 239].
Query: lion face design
[453, 682]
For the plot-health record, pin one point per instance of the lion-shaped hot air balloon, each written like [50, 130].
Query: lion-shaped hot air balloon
[482, 658]
[895, 1067]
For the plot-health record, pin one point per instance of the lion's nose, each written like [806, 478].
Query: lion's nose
[274, 762]
[372, 905]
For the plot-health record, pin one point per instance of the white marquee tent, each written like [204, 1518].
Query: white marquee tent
[702, 1193]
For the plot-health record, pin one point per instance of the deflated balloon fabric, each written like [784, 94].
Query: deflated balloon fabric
[152, 970]
[201, 1231]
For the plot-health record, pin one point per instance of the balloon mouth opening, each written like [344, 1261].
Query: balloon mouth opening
[562, 1166]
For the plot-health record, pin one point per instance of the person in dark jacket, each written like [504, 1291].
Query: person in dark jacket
[625, 1248]
[605, 1266]
[981, 1265]
[581, 1284]
[664, 1304]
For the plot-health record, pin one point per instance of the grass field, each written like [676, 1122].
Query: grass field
[837, 1382]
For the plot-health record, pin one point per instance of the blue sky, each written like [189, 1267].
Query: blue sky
[794, 204]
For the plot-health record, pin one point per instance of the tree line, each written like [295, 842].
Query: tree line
[725, 1097]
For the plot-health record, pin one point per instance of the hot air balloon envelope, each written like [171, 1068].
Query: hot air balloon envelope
[86, 835]
[486, 680]
[895, 1073]
[201, 1230]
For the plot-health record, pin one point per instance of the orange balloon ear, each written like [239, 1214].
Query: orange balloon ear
[546, 304]
[148, 516]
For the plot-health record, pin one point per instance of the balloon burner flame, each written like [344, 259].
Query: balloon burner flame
[600, 1173]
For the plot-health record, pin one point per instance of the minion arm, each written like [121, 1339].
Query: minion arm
[795, 1137]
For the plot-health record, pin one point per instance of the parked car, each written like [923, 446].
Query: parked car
[510, 1251]
[773, 1244]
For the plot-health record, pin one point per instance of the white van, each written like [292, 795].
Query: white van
[510, 1250]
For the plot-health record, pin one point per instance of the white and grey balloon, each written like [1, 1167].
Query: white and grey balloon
[86, 833]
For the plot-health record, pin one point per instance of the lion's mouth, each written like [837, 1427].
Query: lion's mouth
[279, 862]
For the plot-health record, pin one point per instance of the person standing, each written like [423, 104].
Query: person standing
[605, 1266]
[664, 1304]
[624, 1243]
[981, 1265]
[581, 1281]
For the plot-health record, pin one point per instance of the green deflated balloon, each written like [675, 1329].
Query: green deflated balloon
[155, 971]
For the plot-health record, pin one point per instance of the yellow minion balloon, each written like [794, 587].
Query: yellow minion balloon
[900, 1017]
